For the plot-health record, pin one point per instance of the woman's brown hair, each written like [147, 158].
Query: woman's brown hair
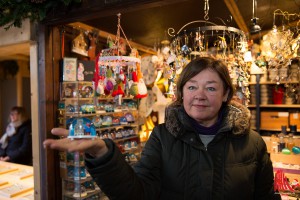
[195, 67]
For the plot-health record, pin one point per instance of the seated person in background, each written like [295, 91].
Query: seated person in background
[16, 143]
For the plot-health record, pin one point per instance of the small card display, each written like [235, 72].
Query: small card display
[15, 189]
[85, 70]
[69, 69]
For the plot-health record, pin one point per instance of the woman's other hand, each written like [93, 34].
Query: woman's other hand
[95, 147]
[5, 158]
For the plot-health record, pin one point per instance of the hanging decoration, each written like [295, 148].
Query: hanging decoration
[116, 74]
[280, 48]
[79, 45]
[208, 39]
[281, 44]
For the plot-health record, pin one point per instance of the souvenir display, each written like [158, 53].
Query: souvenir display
[109, 107]
[70, 90]
[97, 121]
[85, 70]
[79, 45]
[69, 69]
[102, 104]
[115, 121]
[148, 70]
[123, 120]
[87, 109]
[129, 117]
[86, 91]
[82, 128]
[107, 120]
[79, 191]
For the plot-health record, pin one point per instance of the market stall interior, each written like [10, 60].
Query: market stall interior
[166, 34]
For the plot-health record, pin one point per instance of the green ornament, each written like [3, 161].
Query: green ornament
[133, 89]
[286, 151]
[108, 73]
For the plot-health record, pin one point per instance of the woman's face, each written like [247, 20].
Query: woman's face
[14, 116]
[203, 96]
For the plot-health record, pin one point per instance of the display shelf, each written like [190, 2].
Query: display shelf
[280, 106]
[289, 164]
[126, 138]
[110, 98]
[267, 106]
[88, 178]
[73, 114]
[78, 98]
[274, 83]
[83, 195]
[106, 115]
[116, 127]
[273, 129]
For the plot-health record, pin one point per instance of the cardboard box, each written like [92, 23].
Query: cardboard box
[273, 120]
[295, 119]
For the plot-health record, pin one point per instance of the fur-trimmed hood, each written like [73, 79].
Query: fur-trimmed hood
[236, 119]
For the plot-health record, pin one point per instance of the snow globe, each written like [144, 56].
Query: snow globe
[82, 128]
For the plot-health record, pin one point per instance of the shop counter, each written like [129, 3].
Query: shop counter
[16, 181]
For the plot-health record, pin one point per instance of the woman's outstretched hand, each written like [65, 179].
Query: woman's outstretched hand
[95, 147]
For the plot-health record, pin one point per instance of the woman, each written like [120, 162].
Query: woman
[204, 150]
[16, 143]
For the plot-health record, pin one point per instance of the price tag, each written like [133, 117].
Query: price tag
[283, 114]
[295, 115]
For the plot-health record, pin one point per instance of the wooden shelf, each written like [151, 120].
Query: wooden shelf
[288, 159]
[287, 163]
[78, 98]
[274, 83]
[126, 138]
[77, 82]
[116, 126]
[280, 106]
[275, 106]
[112, 98]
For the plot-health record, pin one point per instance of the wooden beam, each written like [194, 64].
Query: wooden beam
[236, 14]
[105, 35]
